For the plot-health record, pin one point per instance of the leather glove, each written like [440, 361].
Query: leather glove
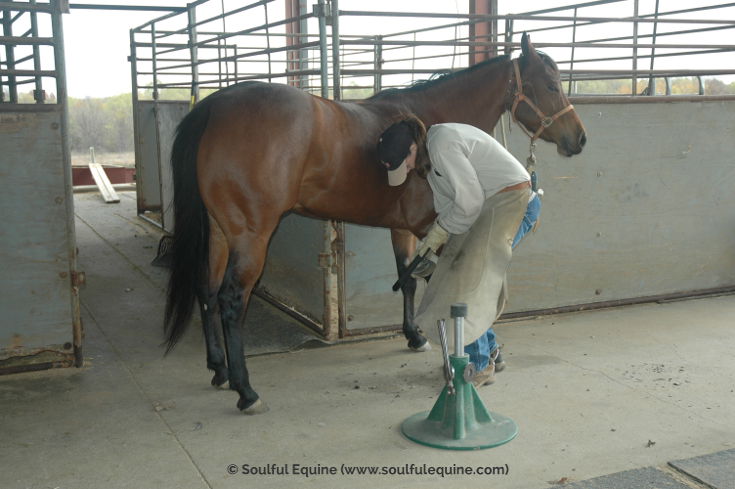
[434, 239]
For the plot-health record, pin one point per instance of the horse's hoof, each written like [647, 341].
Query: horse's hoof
[421, 348]
[258, 407]
[220, 381]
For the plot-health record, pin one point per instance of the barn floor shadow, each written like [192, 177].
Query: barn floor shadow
[106, 230]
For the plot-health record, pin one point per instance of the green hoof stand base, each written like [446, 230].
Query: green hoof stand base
[459, 420]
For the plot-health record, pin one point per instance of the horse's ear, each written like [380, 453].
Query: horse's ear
[528, 52]
[526, 47]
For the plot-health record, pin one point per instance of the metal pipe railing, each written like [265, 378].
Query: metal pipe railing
[21, 66]
[334, 57]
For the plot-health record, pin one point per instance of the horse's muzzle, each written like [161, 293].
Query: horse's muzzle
[570, 147]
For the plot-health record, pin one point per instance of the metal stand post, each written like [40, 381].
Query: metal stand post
[459, 420]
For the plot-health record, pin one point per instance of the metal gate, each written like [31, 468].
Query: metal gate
[40, 325]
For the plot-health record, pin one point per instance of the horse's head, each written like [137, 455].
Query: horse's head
[539, 103]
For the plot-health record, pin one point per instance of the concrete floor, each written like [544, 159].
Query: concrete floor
[594, 393]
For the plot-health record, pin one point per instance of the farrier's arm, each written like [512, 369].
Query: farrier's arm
[457, 181]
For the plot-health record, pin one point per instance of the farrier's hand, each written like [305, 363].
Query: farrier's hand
[434, 239]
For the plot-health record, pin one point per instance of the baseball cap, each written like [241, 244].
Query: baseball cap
[394, 146]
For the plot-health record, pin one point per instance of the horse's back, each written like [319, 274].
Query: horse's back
[285, 149]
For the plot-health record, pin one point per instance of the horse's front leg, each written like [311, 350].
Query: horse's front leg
[404, 246]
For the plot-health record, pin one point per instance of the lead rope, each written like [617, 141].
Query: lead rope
[531, 168]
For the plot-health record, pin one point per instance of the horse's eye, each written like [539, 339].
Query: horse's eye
[553, 87]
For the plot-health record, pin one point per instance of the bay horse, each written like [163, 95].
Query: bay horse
[250, 153]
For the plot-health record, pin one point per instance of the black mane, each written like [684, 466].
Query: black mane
[437, 78]
[547, 59]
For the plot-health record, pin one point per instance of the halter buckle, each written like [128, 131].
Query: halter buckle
[547, 121]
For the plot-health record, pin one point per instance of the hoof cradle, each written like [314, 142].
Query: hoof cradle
[258, 407]
[425, 347]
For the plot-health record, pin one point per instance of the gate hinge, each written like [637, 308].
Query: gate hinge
[323, 10]
[78, 279]
[326, 260]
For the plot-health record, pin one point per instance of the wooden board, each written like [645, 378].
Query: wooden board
[103, 183]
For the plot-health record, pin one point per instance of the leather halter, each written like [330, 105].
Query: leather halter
[543, 118]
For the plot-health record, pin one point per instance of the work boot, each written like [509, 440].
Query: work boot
[487, 376]
[497, 357]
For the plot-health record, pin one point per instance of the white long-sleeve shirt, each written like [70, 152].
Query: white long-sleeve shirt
[468, 167]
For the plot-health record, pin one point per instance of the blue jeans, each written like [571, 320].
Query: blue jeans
[481, 349]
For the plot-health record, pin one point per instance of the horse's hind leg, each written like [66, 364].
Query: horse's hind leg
[404, 244]
[209, 305]
[245, 265]
[215, 353]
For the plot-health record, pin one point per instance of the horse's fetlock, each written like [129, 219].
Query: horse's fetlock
[220, 377]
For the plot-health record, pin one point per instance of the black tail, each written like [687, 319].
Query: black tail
[190, 250]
